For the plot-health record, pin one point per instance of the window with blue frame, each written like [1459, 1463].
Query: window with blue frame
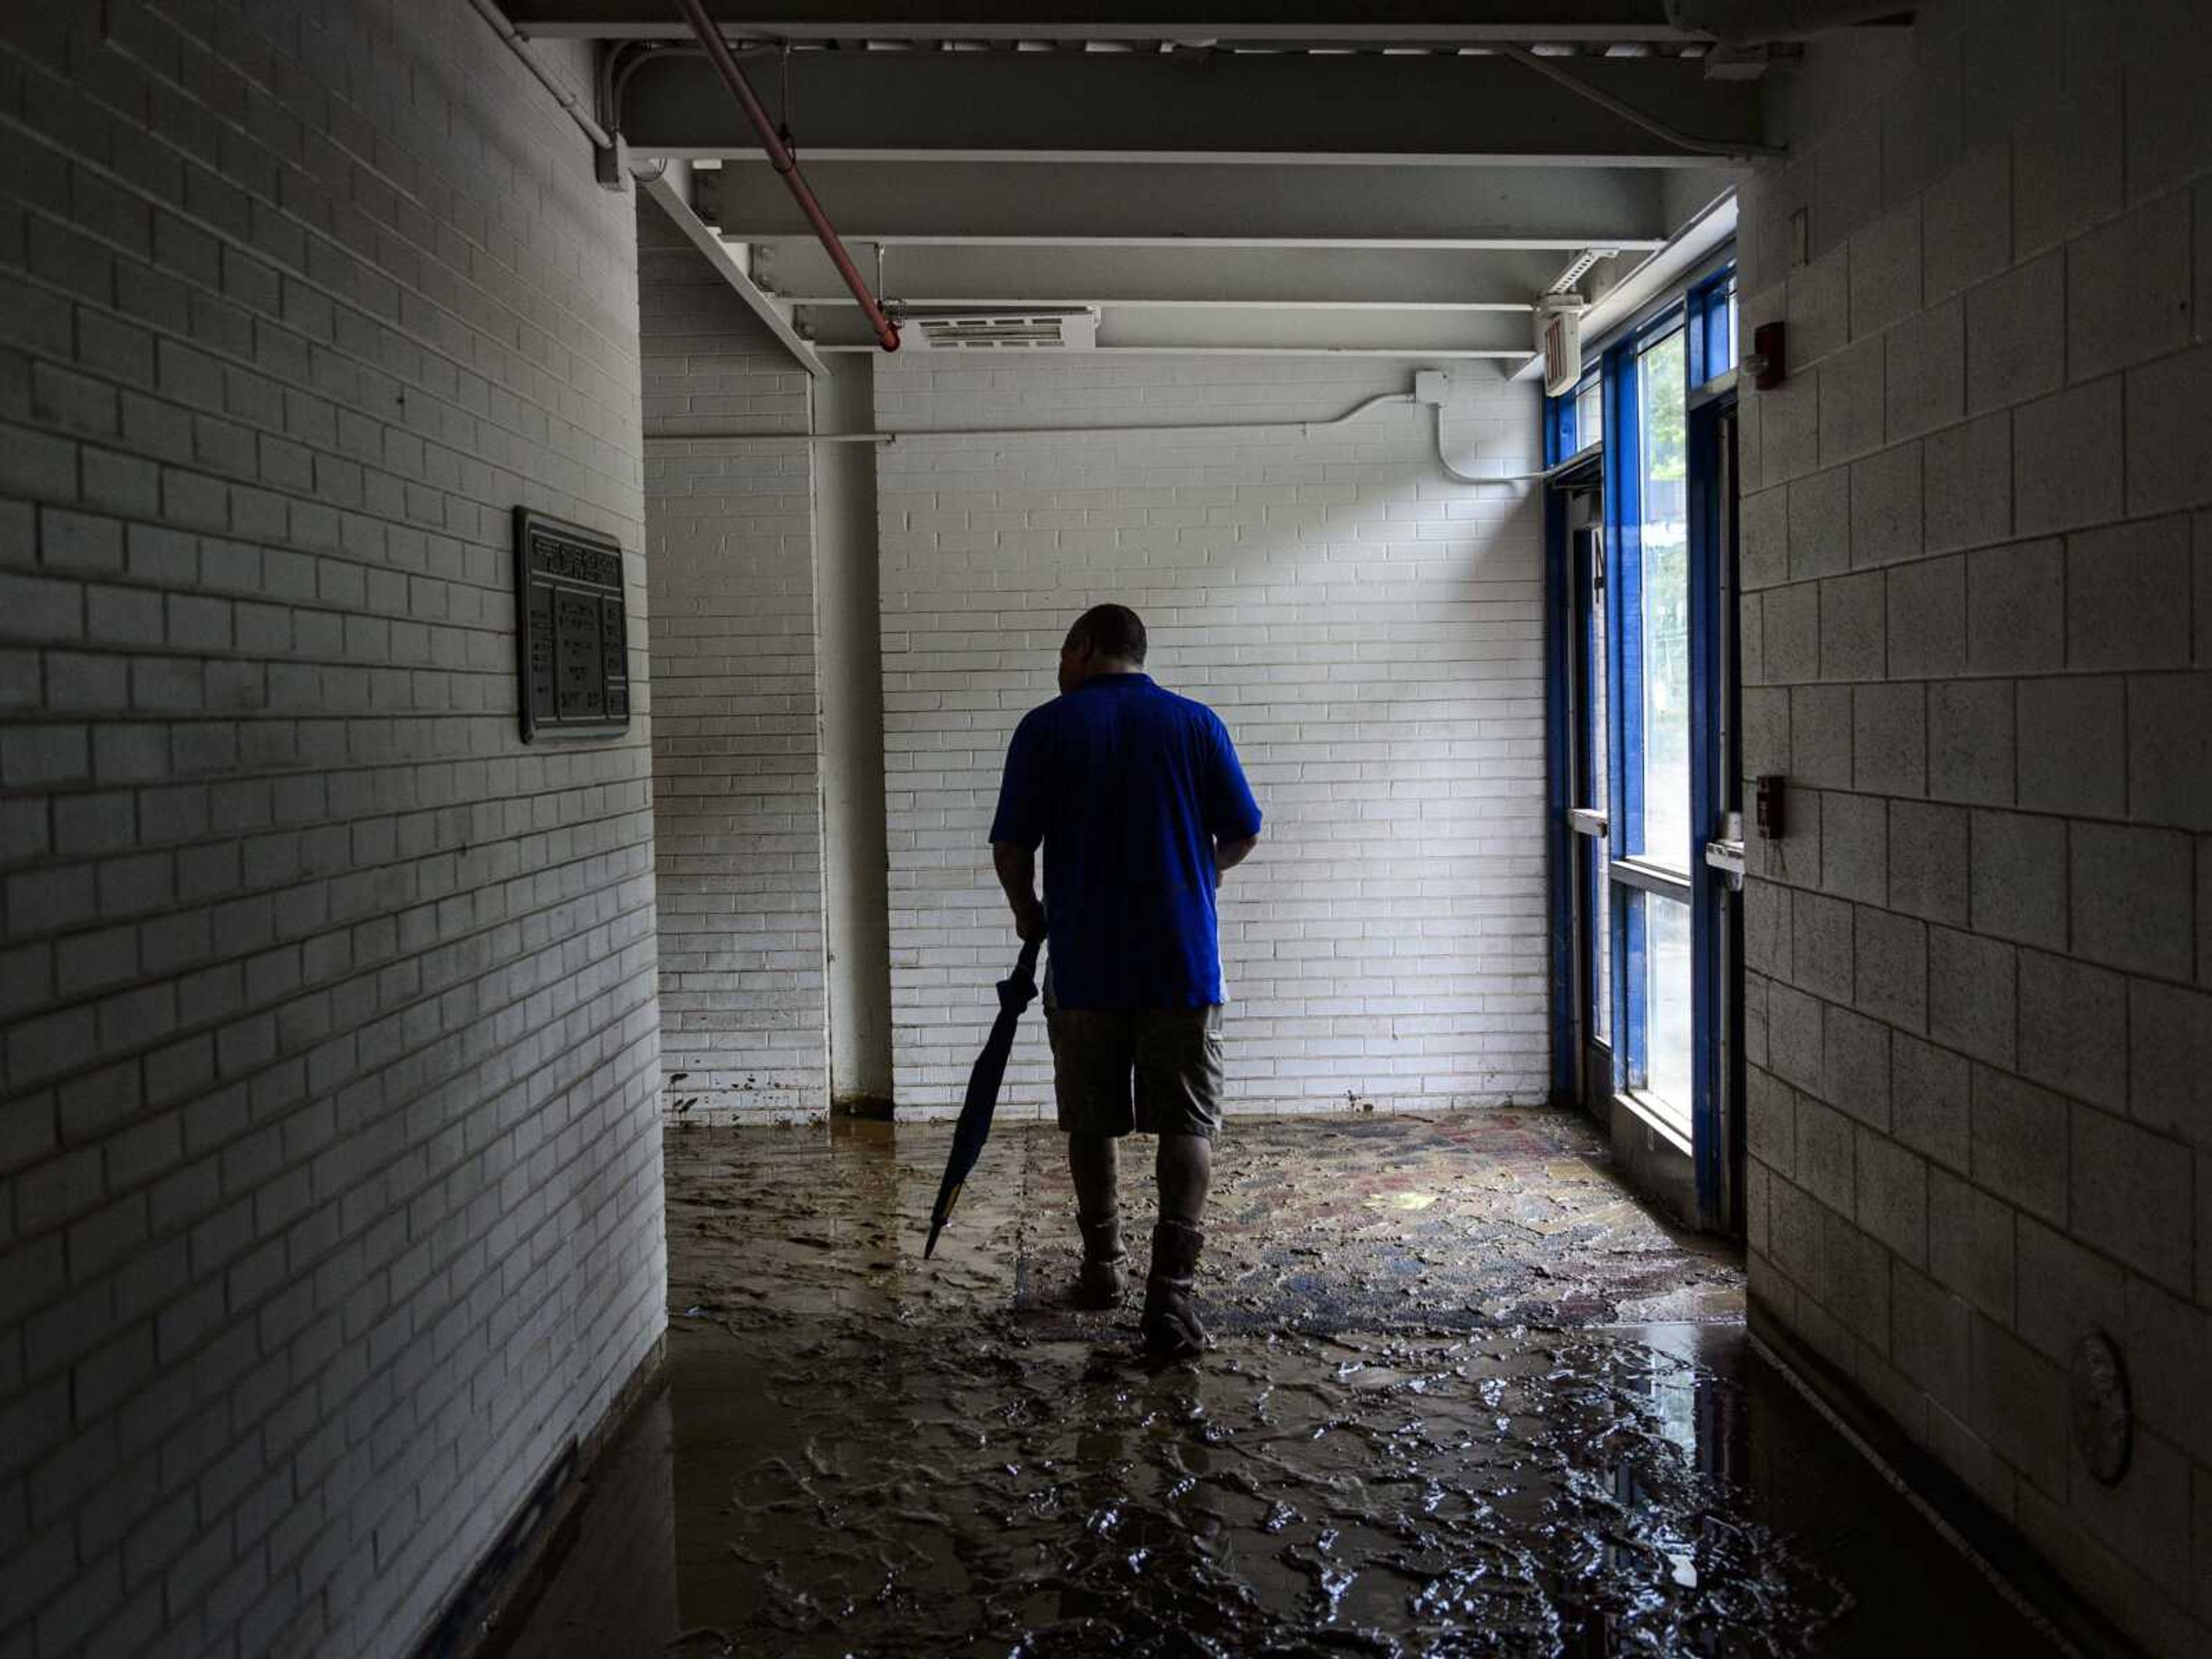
[1639, 722]
[1659, 677]
[1709, 315]
[1575, 422]
[1597, 738]
[1661, 672]
[1589, 418]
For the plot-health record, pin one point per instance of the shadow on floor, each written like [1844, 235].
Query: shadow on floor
[1444, 1416]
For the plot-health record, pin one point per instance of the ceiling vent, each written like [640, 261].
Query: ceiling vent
[1046, 328]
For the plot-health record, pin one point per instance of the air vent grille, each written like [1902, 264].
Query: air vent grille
[1072, 329]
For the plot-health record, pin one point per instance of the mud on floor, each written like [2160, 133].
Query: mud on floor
[1401, 1223]
[1390, 1223]
[1421, 1431]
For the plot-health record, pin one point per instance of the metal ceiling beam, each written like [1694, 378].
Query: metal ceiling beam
[1159, 328]
[1382, 22]
[1207, 107]
[1014, 203]
[1175, 273]
[1031, 302]
[1022, 239]
[1501, 360]
[672, 190]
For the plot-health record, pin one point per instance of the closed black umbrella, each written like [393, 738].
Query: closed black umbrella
[1016, 992]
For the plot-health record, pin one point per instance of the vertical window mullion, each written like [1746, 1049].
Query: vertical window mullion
[1623, 745]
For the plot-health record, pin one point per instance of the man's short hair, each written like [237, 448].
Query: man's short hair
[1114, 631]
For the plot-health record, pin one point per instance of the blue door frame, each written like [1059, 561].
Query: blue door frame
[1572, 651]
[1562, 664]
[1715, 931]
[1704, 315]
[1717, 928]
[1624, 585]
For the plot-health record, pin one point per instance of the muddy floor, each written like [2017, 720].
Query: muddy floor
[1467, 1397]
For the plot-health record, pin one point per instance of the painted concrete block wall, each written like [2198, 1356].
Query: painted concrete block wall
[737, 813]
[329, 1172]
[1370, 632]
[1977, 636]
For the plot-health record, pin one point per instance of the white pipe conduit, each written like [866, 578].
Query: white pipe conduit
[520, 46]
[1731, 149]
[1303, 428]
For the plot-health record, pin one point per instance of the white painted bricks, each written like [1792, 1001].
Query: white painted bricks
[1373, 634]
[737, 821]
[329, 1191]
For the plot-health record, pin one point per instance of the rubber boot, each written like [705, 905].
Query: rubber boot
[1104, 1280]
[1171, 1323]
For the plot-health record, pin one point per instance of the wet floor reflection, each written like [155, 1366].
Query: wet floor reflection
[867, 1456]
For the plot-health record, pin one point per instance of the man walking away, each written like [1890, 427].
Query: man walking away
[1137, 797]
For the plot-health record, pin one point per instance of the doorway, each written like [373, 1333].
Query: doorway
[1650, 841]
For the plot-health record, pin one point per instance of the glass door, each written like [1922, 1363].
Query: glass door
[1644, 541]
[1650, 861]
[1716, 800]
[1717, 773]
[1591, 772]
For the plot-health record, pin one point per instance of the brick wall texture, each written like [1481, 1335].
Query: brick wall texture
[1977, 560]
[1371, 633]
[737, 806]
[330, 1181]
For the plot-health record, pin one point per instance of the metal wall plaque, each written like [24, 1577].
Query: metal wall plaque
[574, 646]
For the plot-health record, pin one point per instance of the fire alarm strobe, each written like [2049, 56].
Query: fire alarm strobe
[1767, 362]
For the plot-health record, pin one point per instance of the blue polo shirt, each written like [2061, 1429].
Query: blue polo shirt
[1128, 787]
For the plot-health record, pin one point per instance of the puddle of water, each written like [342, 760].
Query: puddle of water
[859, 1456]
[1387, 1495]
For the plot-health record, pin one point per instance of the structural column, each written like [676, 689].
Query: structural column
[856, 926]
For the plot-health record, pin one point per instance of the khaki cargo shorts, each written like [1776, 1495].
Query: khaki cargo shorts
[1172, 1056]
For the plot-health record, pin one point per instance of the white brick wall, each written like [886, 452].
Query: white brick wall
[1976, 559]
[329, 1190]
[1373, 634]
[737, 812]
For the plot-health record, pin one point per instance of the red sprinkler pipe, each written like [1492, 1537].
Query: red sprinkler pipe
[786, 164]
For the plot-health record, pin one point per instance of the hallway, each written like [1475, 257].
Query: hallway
[544, 645]
[1467, 1396]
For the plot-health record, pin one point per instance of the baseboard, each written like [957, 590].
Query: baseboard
[482, 1619]
[2013, 1567]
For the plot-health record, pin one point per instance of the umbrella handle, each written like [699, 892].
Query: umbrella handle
[1019, 988]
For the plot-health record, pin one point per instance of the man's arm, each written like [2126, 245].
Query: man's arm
[1231, 814]
[1019, 826]
[1017, 867]
[1228, 854]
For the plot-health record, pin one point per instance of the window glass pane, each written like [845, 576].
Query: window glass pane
[1665, 691]
[1600, 713]
[1666, 1001]
[1724, 347]
[1589, 414]
[1600, 941]
[1597, 744]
